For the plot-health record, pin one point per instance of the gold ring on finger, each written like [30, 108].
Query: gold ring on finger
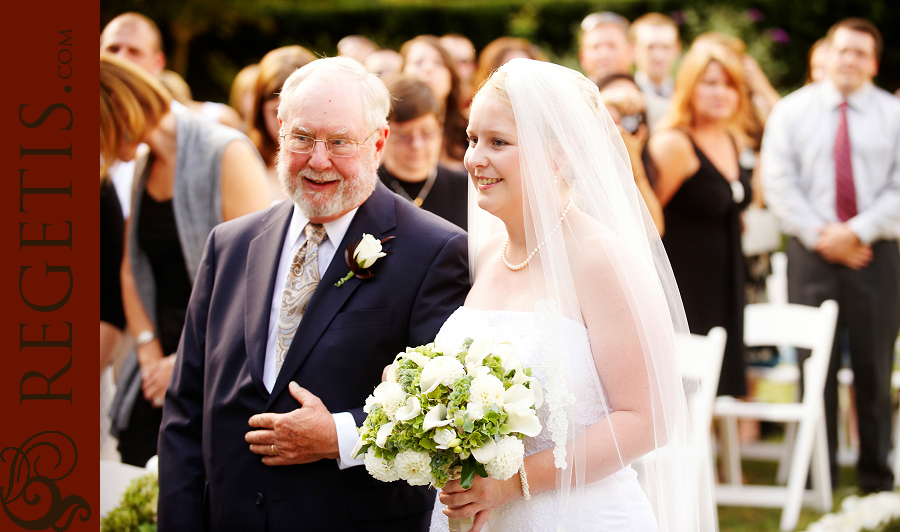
[273, 450]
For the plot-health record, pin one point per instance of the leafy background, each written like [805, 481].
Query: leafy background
[208, 41]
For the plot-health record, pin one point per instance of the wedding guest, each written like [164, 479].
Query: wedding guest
[425, 58]
[500, 51]
[241, 96]
[136, 38]
[410, 165]
[356, 47]
[462, 51]
[625, 103]
[384, 63]
[831, 171]
[266, 343]
[274, 68]
[603, 45]
[195, 175]
[817, 69]
[656, 49]
[210, 111]
[703, 188]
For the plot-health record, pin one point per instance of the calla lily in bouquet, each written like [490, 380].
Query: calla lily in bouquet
[446, 414]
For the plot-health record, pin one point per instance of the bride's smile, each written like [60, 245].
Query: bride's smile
[492, 158]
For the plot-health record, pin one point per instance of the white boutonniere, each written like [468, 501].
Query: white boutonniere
[361, 255]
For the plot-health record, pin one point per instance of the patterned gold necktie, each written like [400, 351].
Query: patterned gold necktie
[302, 280]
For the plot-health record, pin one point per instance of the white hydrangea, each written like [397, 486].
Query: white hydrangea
[380, 468]
[486, 390]
[510, 453]
[414, 467]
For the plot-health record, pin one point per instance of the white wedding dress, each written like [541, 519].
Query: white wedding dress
[613, 504]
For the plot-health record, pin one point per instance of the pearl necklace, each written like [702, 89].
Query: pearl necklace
[524, 263]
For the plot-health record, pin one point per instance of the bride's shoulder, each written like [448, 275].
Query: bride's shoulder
[597, 252]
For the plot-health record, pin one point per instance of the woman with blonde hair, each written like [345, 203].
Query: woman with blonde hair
[703, 188]
[274, 69]
[569, 269]
[425, 58]
[195, 175]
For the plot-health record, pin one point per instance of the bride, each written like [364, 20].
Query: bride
[569, 268]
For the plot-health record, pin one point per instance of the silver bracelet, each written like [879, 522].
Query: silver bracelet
[524, 478]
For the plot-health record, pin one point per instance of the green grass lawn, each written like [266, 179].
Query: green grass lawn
[743, 519]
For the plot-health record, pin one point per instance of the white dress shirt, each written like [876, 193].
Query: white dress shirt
[296, 235]
[798, 161]
[664, 89]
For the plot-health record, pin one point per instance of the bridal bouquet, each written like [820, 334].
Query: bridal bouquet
[448, 414]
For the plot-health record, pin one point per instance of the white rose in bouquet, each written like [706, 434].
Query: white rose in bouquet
[440, 370]
[389, 395]
[453, 413]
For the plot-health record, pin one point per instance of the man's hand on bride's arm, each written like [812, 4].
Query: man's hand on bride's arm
[479, 500]
[301, 436]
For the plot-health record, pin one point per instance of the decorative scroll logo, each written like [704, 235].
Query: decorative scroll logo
[32, 499]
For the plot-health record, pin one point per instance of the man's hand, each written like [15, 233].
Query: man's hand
[305, 435]
[838, 244]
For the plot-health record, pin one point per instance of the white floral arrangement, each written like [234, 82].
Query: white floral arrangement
[445, 414]
[870, 513]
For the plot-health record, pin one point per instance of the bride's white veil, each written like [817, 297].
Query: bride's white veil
[570, 149]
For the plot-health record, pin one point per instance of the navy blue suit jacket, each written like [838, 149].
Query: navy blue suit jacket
[208, 477]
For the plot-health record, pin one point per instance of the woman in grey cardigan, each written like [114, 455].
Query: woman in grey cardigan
[194, 176]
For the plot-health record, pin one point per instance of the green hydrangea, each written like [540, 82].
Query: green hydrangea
[137, 510]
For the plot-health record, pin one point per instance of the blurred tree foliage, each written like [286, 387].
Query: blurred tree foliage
[208, 41]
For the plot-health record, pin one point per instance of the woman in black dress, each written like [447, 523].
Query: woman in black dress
[703, 188]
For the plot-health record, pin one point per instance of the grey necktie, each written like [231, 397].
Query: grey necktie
[302, 280]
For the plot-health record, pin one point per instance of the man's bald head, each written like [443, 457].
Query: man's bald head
[134, 37]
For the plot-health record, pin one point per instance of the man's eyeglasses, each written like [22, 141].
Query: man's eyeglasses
[337, 147]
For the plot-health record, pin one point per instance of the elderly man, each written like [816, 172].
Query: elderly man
[831, 172]
[603, 45]
[274, 366]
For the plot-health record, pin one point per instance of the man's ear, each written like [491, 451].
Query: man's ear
[159, 63]
[380, 138]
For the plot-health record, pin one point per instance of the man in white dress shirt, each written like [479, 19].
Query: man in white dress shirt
[831, 173]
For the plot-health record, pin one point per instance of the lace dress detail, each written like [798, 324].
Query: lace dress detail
[613, 504]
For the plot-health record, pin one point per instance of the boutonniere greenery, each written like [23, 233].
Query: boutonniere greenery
[361, 255]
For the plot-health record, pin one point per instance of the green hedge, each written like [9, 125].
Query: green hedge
[231, 34]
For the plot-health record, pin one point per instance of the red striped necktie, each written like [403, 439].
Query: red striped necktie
[845, 192]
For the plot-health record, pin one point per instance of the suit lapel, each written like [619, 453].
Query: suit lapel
[376, 216]
[263, 256]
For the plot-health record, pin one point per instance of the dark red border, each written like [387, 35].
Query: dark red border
[32, 52]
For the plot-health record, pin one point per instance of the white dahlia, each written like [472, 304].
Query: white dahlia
[380, 468]
[414, 467]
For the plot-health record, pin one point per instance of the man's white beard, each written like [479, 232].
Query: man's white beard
[350, 193]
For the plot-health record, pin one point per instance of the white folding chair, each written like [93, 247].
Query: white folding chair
[802, 327]
[699, 360]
